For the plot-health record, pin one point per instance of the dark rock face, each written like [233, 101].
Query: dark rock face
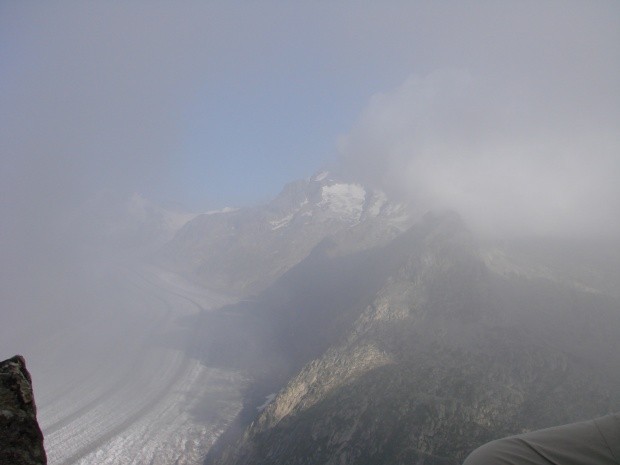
[21, 439]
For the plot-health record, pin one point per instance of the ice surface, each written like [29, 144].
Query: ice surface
[141, 401]
[346, 200]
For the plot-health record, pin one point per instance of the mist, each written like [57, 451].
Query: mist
[508, 114]
[525, 143]
[120, 122]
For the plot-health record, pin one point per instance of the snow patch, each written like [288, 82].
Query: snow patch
[277, 224]
[346, 200]
[322, 175]
[223, 210]
[284, 221]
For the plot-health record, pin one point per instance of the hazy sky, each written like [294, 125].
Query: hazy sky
[483, 106]
[506, 110]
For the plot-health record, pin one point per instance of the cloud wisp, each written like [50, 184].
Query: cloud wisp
[514, 122]
[511, 160]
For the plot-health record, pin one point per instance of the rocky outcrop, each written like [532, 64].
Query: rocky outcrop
[449, 354]
[21, 439]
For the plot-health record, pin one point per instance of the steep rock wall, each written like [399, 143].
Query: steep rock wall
[21, 439]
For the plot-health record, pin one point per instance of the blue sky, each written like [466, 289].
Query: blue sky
[243, 142]
[203, 103]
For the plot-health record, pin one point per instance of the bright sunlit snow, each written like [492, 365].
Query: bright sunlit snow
[346, 200]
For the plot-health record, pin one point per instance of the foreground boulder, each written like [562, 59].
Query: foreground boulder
[21, 439]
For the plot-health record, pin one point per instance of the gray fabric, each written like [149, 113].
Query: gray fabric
[609, 428]
[594, 442]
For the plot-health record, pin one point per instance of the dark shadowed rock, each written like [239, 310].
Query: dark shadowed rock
[21, 440]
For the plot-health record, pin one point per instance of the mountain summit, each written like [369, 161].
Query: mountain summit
[243, 251]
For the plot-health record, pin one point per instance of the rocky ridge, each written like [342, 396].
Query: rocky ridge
[21, 439]
[449, 353]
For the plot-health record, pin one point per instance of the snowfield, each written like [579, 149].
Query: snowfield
[346, 200]
[141, 399]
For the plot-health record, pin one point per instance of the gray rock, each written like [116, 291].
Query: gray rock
[449, 353]
[21, 439]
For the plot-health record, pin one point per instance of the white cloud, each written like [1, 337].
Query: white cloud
[507, 157]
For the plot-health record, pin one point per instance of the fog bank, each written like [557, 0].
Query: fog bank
[524, 143]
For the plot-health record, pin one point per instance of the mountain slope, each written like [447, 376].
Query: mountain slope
[448, 353]
[244, 251]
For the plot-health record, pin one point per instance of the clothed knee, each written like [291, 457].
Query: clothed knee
[507, 451]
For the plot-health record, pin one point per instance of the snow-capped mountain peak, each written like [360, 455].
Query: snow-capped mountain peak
[271, 238]
[344, 200]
